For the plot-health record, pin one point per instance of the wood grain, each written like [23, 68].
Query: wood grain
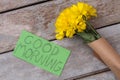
[11, 4]
[81, 60]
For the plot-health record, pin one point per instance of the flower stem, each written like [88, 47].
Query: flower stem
[88, 23]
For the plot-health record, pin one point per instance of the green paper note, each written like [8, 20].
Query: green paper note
[41, 53]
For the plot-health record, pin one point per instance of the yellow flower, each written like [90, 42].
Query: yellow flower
[70, 33]
[81, 27]
[71, 20]
[60, 36]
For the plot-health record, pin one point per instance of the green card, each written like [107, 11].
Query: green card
[41, 53]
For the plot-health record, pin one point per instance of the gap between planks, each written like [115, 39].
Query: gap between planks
[24, 6]
[108, 25]
[88, 74]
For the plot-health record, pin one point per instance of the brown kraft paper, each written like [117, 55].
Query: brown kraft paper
[107, 54]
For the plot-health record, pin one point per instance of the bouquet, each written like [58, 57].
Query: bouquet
[74, 20]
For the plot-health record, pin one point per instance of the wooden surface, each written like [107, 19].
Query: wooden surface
[11, 4]
[81, 60]
[39, 19]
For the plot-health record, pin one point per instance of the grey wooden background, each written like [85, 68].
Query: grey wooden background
[38, 17]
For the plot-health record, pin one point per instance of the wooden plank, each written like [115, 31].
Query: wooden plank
[40, 19]
[81, 60]
[103, 76]
[11, 4]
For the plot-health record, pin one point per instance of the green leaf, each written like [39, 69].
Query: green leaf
[88, 36]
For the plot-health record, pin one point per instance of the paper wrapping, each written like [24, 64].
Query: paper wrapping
[107, 54]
